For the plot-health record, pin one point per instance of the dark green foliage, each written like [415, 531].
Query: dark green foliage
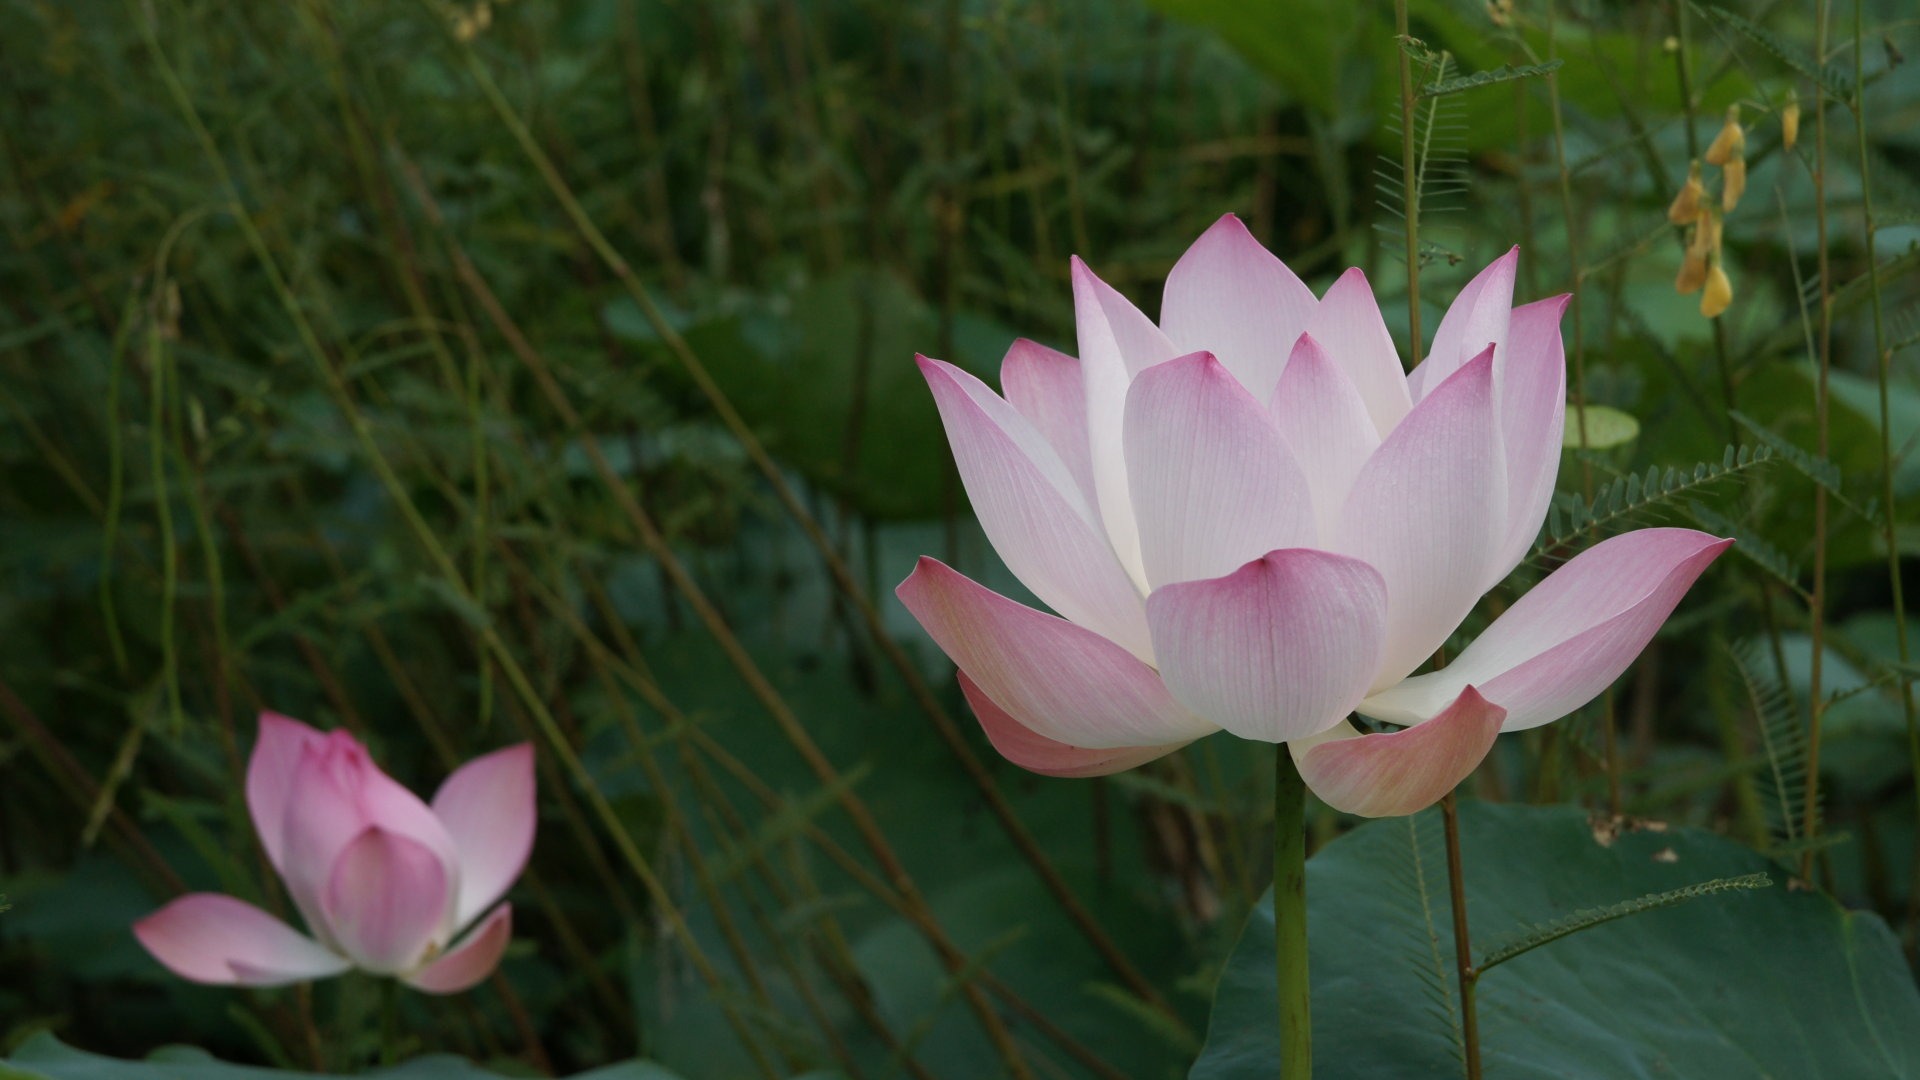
[292, 442]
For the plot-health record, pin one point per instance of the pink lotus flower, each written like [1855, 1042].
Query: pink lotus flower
[384, 881]
[1248, 517]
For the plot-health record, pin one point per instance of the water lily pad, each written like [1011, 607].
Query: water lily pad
[1775, 981]
[1607, 428]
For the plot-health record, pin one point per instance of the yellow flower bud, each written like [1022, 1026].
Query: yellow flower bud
[1693, 274]
[1731, 142]
[1705, 240]
[1718, 294]
[1734, 184]
[1790, 122]
[1685, 208]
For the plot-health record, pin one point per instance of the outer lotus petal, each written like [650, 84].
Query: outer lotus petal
[1325, 422]
[1426, 511]
[1477, 318]
[1531, 380]
[1068, 683]
[1402, 772]
[1032, 512]
[386, 900]
[1231, 296]
[1116, 343]
[471, 959]
[1565, 641]
[270, 777]
[211, 938]
[487, 806]
[1279, 649]
[1212, 478]
[1347, 324]
[1035, 752]
[1044, 385]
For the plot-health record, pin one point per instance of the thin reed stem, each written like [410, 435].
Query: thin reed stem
[1462, 945]
[837, 567]
[1817, 605]
[1409, 181]
[1883, 357]
[648, 533]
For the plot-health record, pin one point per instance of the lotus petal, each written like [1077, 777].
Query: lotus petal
[470, 960]
[1325, 422]
[1569, 637]
[1213, 481]
[487, 806]
[211, 938]
[386, 900]
[1036, 753]
[1280, 649]
[1064, 681]
[1427, 511]
[1232, 297]
[1388, 774]
[1033, 512]
[1347, 324]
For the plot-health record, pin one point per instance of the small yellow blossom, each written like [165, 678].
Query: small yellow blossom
[1734, 183]
[1693, 274]
[1685, 208]
[1705, 239]
[1718, 294]
[1731, 142]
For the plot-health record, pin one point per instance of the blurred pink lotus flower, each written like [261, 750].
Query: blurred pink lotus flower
[384, 881]
[1248, 517]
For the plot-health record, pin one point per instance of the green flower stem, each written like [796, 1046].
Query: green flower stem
[389, 1021]
[1290, 916]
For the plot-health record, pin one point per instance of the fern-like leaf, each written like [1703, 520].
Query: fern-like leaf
[1820, 470]
[1440, 177]
[1835, 82]
[1489, 78]
[1783, 741]
[1587, 918]
[1418, 895]
[1753, 547]
[1623, 498]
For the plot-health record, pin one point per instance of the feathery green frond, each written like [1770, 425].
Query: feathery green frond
[1429, 959]
[1627, 496]
[1587, 918]
[1439, 180]
[1835, 82]
[1783, 739]
[1820, 470]
[1489, 78]
[1752, 546]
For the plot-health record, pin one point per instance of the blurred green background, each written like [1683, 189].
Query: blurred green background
[464, 374]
